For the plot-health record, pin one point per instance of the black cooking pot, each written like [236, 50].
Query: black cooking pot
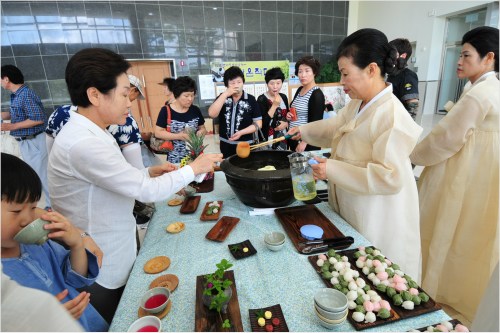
[260, 189]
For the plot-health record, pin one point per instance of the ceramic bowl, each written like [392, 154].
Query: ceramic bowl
[330, 315]
[190, 191]
[274, 238]
[146, 324]
[330, 300]
[33, 233]
[155, 300]
[331, 324]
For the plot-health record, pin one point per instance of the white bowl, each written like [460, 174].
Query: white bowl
[330, 324]
[275, 247]
[274, 238]
[330, 315]
[145, 321]
[331, 300]
[155, 292]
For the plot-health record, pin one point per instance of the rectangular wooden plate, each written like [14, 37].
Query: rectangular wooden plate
[293, 218]
[190, 204]
[209, 320]
[454, 322]
[212, 217]
[239, 254]
[277, 313]
[429, 306]
[222, 228]
[362, 325]
[205, 186]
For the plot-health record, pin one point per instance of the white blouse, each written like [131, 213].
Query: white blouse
[91, 183]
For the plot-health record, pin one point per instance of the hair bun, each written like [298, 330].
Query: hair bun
[391, 60]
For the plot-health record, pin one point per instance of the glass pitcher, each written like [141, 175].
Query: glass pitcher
[304, 185]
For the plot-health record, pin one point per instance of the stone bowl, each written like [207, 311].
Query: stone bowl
[260, 189]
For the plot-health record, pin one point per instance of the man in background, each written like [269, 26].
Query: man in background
[405, 81]
[27, 124]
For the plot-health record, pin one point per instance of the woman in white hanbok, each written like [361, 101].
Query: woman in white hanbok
[458, 188]
[370, 178]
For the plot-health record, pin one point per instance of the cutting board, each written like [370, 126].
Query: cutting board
[293, 218]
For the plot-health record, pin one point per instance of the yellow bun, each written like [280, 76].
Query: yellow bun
[243, 149]
[175, 227]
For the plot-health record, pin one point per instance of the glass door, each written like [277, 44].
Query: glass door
[450, 87]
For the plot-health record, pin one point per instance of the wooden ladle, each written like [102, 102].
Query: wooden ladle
[243, 148]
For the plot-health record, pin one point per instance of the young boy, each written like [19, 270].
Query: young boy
[49, 267]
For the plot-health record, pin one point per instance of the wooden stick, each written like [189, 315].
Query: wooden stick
[262, 144]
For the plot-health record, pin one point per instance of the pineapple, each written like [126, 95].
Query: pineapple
[194, 144]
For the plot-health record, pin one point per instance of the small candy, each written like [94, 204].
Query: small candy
[245, 249]
[269, 328]
[268, 314]
[413, 291]
[461, 328]
[261, 322]
[322, 256]
[442, 328]
[276, 321]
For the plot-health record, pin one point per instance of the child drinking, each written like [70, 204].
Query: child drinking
[49, 267]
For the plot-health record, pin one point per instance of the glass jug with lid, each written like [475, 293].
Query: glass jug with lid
[304, 185]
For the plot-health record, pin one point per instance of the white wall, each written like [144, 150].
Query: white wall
[423, 22]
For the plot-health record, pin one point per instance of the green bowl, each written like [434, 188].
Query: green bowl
[33, 233]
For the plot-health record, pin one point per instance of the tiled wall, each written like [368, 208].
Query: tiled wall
[39, 37]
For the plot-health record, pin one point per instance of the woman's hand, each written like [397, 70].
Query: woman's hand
[205, 163]
[92, 247]
[301, 147]
[319, 170]
[277, 100]
[283, 125]
[158, 170]
[77, 305]
[61, 229]
[236, 136]
[294, 132]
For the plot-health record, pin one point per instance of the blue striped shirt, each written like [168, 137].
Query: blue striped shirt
[25, 104]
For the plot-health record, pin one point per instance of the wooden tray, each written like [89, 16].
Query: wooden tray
[362, 325]
[205, 186]
[277, 313]
[213, 217]
[209, 320]
[222, 228]
[293, 218]
[429, 306]
[239, 254]
[190, 204]
[454, 322]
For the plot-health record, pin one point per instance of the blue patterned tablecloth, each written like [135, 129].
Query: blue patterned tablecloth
[267, 278]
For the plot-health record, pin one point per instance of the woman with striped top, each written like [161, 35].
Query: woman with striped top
[309, 101]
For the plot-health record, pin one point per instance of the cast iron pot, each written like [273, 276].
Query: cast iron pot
[260, 189]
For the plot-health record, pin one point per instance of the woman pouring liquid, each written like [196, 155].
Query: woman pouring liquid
[370, 178]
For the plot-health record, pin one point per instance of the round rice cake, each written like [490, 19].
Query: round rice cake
[175, 227]
[157, 264]
[175, 202]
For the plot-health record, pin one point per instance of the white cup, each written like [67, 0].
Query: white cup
[145, 324]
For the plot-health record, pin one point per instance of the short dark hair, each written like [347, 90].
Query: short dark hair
[93, 67]
[402, 45]
[13, 73]
[328, 107]
[184, 84]
[232, 73]
[308, 61]
[169, 82]
[484, 40]
[274, 74]
[20, 183]
[369, 45]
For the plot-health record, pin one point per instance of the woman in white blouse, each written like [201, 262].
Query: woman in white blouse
[90, 181]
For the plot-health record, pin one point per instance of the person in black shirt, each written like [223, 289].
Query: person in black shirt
[404, 81]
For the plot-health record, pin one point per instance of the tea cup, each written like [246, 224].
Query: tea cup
[155, 300]
[146, 324]
[33, 233]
